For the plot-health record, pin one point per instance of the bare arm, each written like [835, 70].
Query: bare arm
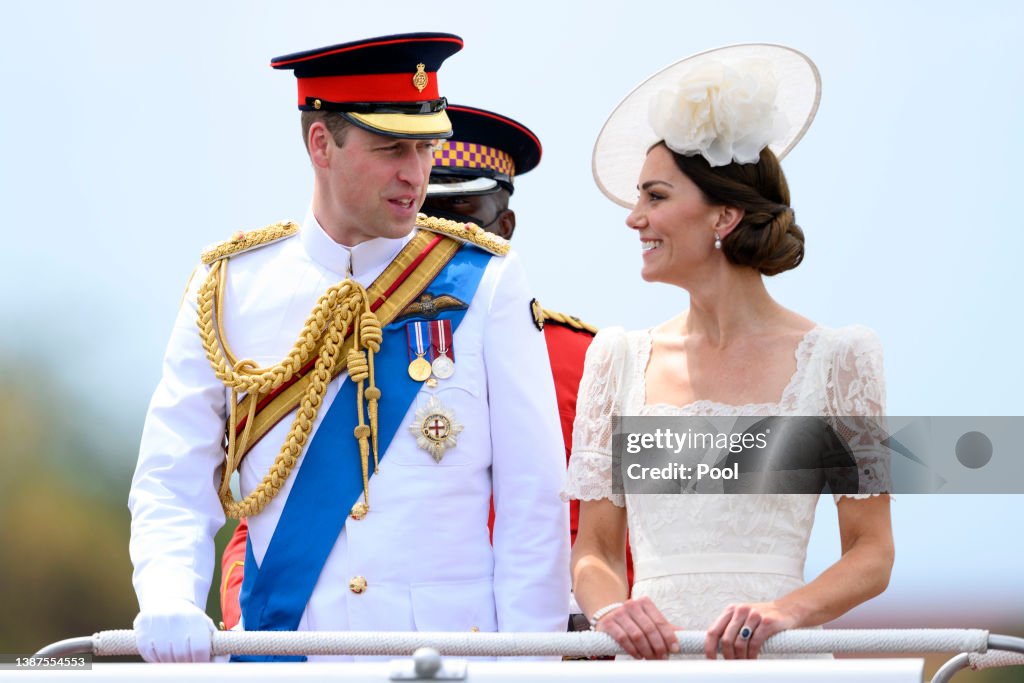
[599, 555]
[861, 573]
[599, 580]
[865, 531]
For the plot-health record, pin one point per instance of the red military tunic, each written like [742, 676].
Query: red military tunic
[567, 347]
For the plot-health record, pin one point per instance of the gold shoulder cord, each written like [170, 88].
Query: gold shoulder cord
[343, 309]
[569, 320]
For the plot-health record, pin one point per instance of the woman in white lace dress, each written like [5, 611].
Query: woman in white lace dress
[713, 217]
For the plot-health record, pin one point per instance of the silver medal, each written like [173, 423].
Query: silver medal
[443, 367]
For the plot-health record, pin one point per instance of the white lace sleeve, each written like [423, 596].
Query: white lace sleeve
[589, 476]
[855, 390]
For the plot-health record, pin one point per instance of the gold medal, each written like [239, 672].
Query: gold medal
[420, 369]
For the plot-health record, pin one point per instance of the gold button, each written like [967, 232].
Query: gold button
[431, 382]
[357, 584]
[475, 629]
[220, 625]
[317, 104]
[359, 510]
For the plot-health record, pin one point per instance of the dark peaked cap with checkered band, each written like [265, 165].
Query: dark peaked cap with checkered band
[387, 85]
[484, 145]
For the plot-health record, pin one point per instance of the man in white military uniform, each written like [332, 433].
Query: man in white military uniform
[405, 546]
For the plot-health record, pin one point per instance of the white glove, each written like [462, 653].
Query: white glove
[173, 631]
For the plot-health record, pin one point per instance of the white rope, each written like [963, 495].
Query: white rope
[994, 658]
[118, 643]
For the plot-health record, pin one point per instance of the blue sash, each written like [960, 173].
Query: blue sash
[274, 594]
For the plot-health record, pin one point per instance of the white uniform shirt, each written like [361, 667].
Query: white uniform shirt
[423, 549]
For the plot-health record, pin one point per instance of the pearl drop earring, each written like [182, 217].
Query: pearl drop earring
[718, 241]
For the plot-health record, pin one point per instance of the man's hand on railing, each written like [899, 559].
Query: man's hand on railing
[173, 631]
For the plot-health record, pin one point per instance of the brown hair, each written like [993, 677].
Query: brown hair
[767, 237]
[336, 125]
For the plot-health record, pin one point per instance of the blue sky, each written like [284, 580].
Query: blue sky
[134, 134]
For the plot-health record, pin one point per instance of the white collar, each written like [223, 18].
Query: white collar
[363, 262]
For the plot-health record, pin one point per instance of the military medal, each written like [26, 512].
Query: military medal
[435, 428]
[441, 334]
[419, 368]
[443, 367]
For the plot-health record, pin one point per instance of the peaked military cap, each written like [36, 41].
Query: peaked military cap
[486, 150]
[387, 85]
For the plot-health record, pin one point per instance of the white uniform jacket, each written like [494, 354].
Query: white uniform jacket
[423, 549]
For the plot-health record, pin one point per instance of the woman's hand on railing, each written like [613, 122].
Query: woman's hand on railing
[640, 628]
[741, 629]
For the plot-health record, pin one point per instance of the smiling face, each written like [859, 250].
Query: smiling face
[675, 223]
[370, 186]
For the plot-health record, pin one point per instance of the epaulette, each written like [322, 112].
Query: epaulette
[541, 316]
[464, 232]
[243, 241]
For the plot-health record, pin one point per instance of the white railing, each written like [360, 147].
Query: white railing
[976, 661]
[980, 648]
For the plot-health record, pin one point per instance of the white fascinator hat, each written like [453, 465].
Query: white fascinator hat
[725, 104]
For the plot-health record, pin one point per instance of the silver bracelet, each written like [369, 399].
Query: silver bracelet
[596, 617]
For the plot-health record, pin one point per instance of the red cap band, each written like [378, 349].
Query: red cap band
[367, 88]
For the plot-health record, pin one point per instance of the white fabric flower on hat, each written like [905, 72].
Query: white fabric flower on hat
[723, 112]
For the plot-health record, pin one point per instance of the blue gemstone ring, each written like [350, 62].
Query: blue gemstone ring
[745, 633]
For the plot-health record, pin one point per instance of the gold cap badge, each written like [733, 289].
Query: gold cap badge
[420, 78]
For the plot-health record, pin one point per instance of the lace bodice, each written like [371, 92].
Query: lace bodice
[838, 373]
[694, 554]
